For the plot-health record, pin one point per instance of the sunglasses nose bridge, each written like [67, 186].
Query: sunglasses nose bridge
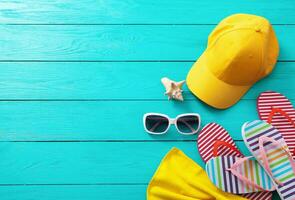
[172, 121]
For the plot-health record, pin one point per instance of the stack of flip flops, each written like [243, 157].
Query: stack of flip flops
[270, 140]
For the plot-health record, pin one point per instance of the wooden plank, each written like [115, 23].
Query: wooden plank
[73, 192]
[70, 192]
[115, 43]
[114, 81]
[86, 163]
[140, 11]
[108, 120]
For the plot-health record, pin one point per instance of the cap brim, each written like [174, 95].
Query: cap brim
[210, 89]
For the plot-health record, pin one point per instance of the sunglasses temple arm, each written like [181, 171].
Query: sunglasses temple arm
[187, 124]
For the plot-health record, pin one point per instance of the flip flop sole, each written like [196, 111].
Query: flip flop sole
[268, 100]
[213, 132]
[279, 163]
[217, 170]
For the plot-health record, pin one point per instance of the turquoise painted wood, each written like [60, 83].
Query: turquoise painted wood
[113, 81]
[77, 192]
[86, 163]
[116, 43]
[77, 76]
[140, 11]
[82, 121]
[73, 192]
[90, 164]
[108, 120]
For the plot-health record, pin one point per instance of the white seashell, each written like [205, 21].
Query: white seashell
[173, 88]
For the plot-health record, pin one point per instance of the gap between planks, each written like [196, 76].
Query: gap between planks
[73, 184]
[104, 141]
[125, 24]
[112, 61]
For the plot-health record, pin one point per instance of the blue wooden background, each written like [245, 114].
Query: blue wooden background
[77, 76]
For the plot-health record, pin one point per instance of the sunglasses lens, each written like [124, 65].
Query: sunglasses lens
[188, 124]
[156, 124]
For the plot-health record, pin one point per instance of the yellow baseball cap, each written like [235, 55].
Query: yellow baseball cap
[241, 50]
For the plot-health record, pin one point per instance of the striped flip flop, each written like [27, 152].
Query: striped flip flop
[209, 135]
[238, 175]
[213, 140]
[277, 110]
[270, 149]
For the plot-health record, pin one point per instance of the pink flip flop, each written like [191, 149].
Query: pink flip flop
[213, 141]
[274, 108]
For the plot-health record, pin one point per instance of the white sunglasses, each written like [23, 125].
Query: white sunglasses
[157, 124]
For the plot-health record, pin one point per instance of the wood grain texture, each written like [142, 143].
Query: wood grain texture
[103, 166]
[140, 11]
[108, 120]
[116, 43]
[87, 163]
[114, 81]
[76, 78]
[73, 192]
[76, 192]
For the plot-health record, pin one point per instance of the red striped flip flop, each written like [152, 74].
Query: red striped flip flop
[276, 109]
[213, 141]
[211, 133]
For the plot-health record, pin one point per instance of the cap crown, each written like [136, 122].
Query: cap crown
[242, 49]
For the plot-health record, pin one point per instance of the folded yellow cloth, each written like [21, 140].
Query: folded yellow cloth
[180, 178]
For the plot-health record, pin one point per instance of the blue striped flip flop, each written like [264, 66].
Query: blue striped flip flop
[238, 175]
[270, 149]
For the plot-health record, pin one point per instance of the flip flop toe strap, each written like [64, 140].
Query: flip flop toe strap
[262, 154]
[220, 143]
[280, 111]
[233, 170]
[283, 113]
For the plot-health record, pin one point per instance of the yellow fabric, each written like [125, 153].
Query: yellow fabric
[180, 178]
[241, 50]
